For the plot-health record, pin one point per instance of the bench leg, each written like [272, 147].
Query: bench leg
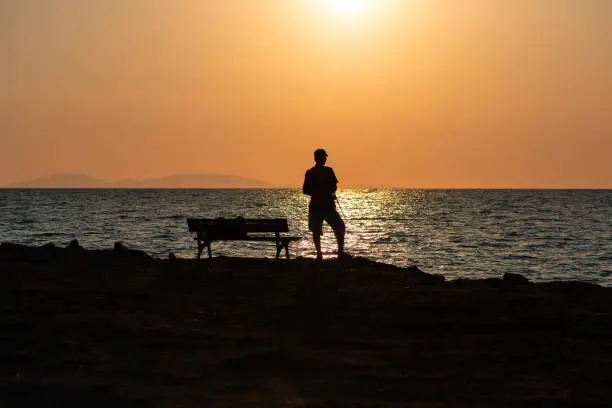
[279, 248]
[200, 249]
[201, 246]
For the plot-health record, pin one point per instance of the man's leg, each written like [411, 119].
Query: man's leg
[316, 238]
[335, 221]
[315, 224]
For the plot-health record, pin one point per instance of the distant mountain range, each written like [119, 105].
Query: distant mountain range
[176, 181]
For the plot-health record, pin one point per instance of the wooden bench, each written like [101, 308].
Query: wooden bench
[208, 230]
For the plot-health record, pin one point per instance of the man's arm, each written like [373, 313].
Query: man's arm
[335, 181]
[307, 187]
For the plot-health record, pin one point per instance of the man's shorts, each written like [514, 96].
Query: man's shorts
[316, 218]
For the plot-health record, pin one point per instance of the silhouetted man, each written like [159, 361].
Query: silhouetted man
[320, 184]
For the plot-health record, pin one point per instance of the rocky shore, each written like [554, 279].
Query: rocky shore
[120, 328]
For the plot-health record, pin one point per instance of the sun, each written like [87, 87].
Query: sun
[348, 8]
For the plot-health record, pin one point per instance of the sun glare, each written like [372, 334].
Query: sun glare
[348, 8]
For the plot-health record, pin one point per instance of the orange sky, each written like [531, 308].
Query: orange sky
[415, 93]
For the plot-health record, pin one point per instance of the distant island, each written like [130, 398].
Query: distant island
[175, 181]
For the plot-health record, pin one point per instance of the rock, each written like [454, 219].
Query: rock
[74, 249]
[122, 251]
[20, 252]
[515, 279]
[418, 275]
[11, 247]
[572, 287]
[74, 244]
[488, 283]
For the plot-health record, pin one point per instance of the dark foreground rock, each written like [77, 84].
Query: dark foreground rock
[118, 328]
[73, 252]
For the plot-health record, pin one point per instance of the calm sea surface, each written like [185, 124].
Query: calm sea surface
[545, 235]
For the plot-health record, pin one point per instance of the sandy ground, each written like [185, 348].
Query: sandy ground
[118, 328]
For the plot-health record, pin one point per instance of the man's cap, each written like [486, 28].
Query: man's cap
[320, 152]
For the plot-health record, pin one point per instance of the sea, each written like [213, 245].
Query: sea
[545, 235]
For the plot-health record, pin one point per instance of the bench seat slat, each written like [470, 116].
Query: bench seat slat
[248, 224]
[249, 238]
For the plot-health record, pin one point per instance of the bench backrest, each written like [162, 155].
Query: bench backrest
[235, 227]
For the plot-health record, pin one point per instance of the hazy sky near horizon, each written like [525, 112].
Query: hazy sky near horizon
[409, 93]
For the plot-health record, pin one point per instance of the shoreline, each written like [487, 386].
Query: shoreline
[120, 327]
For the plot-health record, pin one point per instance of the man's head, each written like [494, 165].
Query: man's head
[320, 156]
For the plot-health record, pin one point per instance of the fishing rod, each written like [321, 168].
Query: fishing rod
[339, 206]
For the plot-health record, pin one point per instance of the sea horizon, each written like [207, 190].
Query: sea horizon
[339, 188]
